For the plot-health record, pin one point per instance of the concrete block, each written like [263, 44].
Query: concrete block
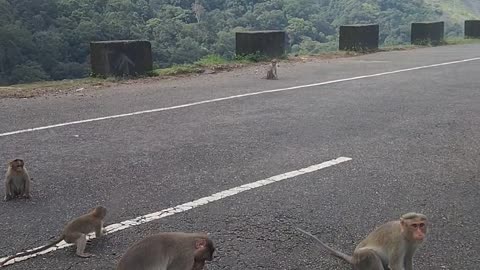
[359, 37]
[121, 57]
[268, 43]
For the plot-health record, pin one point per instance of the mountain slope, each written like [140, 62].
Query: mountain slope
[457, 10]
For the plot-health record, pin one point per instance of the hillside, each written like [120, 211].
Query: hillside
[49, 39]
[473, 5]
[457, 10]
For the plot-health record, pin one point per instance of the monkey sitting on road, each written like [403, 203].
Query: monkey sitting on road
[390, 246]
[17, 180]
[272, 70]
[169, 251]
[75, 232]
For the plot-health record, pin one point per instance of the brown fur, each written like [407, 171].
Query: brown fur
[75, 232]
[390, 246]
[169, 251]
[17, 180]
[272, 71]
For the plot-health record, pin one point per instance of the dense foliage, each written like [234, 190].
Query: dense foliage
[49, 39]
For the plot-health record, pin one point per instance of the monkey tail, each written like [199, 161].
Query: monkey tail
[40, 249]
[334, 252]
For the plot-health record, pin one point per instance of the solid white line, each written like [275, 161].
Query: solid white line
[193, 204]
[232, 97]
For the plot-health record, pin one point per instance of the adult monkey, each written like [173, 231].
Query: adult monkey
[390, 246]
[17, 180]
[75, 232]
[272, 70]
[169, 251]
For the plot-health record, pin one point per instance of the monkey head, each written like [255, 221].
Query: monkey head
[204, 249]
[414, 226]
[17, 165]
[99, 212]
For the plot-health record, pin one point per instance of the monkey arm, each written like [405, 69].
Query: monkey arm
[26, 192]
[396, 261]
[8, 187]
[409, 262]
[99, 230]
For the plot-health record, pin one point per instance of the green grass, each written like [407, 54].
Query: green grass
[459, 41]
[448, 41]
[176, 70]
[402, 47]
[211, 60]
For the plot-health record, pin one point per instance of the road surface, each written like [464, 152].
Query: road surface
[386, 133]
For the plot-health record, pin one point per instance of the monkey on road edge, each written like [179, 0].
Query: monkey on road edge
[169, 251]
[75, 232]
[17, 180]
[272, 70]
[390, 246]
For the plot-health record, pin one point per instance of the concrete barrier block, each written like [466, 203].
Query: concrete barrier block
[121, 57]
[268, 43]
[427, 33]
[359, 37]
[472, 29]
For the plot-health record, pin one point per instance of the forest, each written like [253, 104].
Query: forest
[49, 39]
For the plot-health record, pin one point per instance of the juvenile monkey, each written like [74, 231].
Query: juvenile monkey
[169, 251]
[75, 232]
[17, 180]
[272, 70]
[390, 246]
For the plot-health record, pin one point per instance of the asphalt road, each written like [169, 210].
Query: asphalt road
[413, 136]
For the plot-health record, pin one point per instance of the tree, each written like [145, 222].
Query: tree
[28, 72]
[297, 28]
[198, 10]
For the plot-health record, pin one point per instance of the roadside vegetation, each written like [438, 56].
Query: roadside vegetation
[43, 40]
[207, 64]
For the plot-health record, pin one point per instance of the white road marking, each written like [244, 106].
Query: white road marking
[232, 97]
[193, 204]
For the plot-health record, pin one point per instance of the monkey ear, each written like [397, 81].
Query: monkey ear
[200, 243]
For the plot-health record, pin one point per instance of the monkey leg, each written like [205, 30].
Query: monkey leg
[26, 192]
[8, 194]
[81, 243]
[367, 259]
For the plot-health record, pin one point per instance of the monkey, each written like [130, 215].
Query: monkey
[75, 232]
[169, 251]
[17, 180]
[272, 70]
[389, 247]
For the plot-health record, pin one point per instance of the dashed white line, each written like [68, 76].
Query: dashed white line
[232, 97]
[193, 204]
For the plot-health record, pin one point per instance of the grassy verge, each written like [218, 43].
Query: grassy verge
[208, 64]
[398, 47]
[52, 87]
[460, 41]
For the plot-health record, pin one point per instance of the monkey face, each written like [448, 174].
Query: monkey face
[419, 230]
[416, 229]
[17, 165]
